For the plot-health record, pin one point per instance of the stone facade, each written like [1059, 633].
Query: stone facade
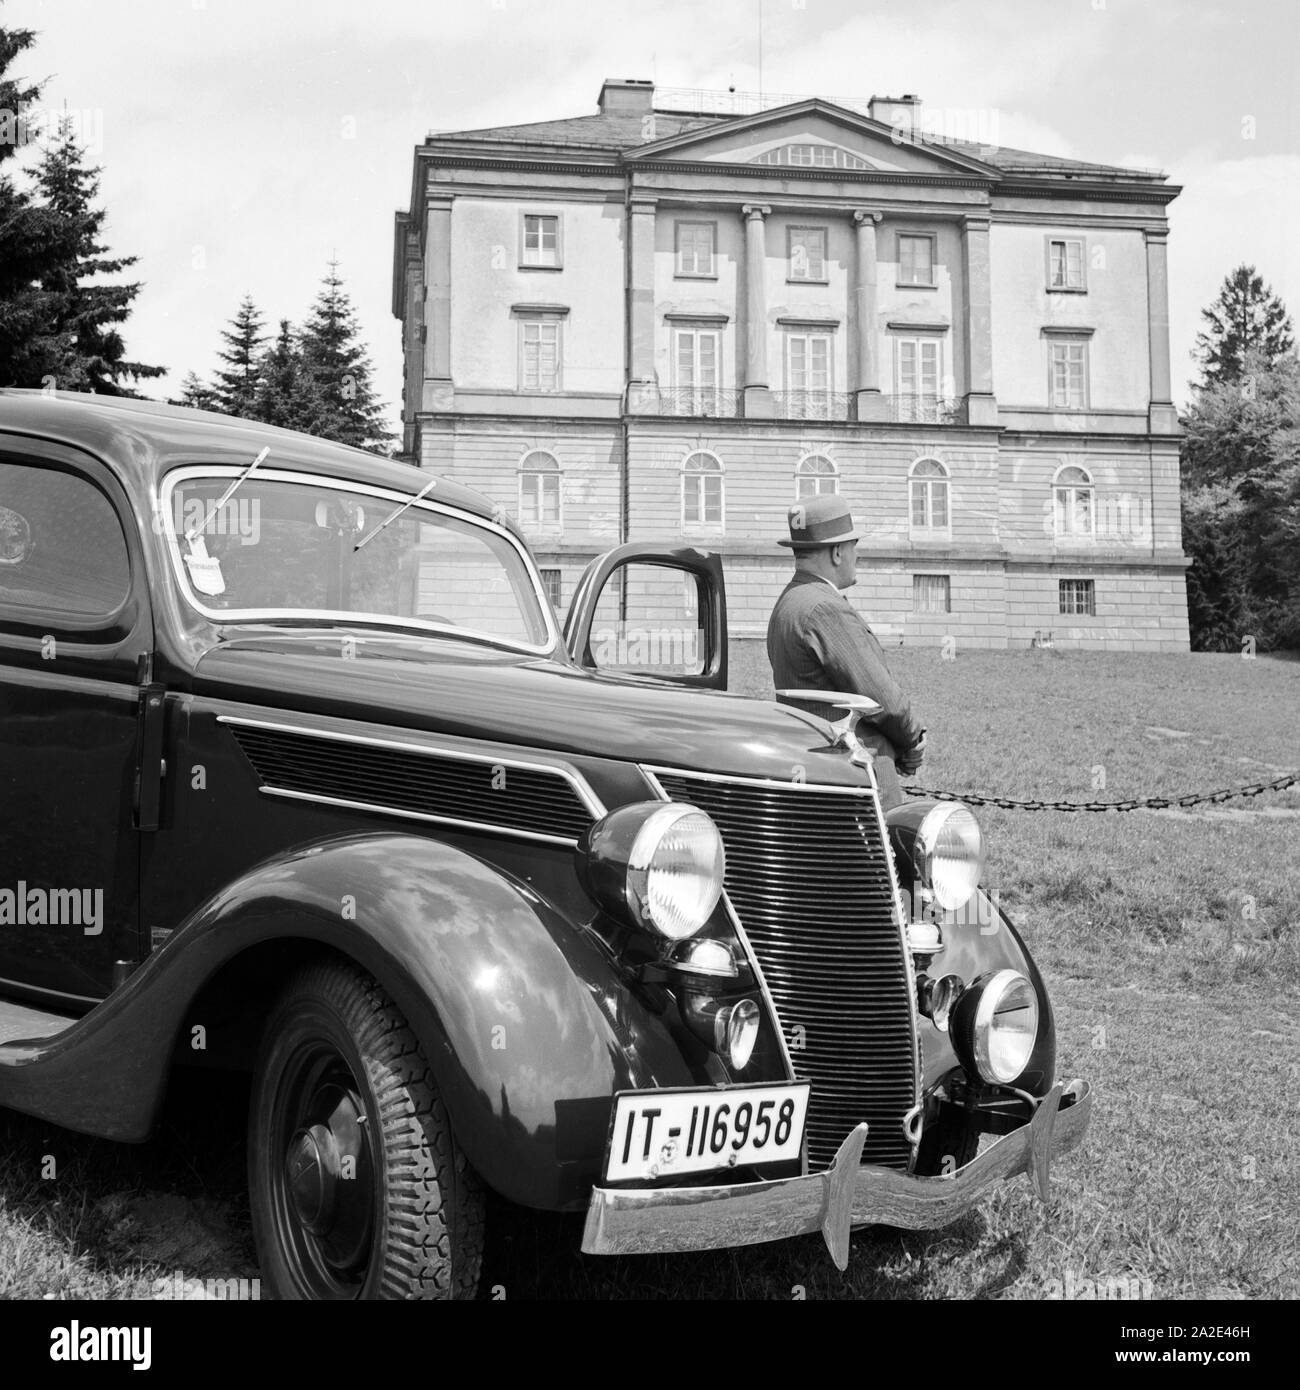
[651, 324]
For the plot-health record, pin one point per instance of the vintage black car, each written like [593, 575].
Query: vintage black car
[301, 775]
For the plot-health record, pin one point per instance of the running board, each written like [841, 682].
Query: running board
[20, 1023]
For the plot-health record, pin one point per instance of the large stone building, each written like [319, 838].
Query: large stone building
[672, 323]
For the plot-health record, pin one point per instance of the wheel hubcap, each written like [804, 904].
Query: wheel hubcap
[312, 1167]
[327, 1179]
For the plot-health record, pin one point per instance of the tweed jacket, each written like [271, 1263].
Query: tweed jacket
[817, 640]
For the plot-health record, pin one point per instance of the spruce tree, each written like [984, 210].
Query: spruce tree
[341, 369]
[1247, 317]
[34, 240]
[287, 394]
[196, 394]
[92, 356]
[236, 384]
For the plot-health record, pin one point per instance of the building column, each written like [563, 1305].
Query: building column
[642, 390]
[977, 322]
[437, 393]
[758, 396]
[871, 404]
[1162, 418]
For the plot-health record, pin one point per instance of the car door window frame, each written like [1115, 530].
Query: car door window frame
[705, 566]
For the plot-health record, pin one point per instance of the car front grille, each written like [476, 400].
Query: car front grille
[809, 878]
[406, 780]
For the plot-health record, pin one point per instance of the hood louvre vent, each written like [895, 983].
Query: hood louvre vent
[528, 800]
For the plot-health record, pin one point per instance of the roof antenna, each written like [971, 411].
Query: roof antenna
[760, 54]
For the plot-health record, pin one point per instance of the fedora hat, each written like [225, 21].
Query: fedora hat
[821, 520]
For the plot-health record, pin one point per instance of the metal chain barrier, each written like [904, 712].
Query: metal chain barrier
[1154, 803]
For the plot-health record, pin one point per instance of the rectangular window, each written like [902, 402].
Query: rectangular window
[808, 362]
[695, 248]
[702, 498]
[1073, 511]
[808, 253]
[1078, 598]
[539, 354]
[1069, 375]
[539, 499]
[541, 241]
[919, 367]
[931, 593]
[929, 503]
[1065, 263]
[915, 259]
[808, 376]
[696, 356]
[551, 581]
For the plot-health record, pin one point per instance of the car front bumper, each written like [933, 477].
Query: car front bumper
[628, 1221]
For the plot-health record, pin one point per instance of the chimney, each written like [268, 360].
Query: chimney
[626, 96]
[899, 112]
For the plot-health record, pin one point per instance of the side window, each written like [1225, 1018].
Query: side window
[62, 551]
[648, 619]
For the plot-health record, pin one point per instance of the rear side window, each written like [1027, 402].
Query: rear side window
[62, 549]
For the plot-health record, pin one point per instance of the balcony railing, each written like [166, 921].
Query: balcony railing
[924, 410]
[688, 400]
[708, 102]
[813, 405]
[716, 403]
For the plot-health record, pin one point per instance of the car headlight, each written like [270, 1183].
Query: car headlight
[658, 864]
[995, 1025]
[949, 854]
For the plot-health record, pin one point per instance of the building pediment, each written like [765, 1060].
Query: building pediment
[814, 137]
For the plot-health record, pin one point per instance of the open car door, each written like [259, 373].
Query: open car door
[652, 614]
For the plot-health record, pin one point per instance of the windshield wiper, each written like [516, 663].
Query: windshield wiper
[195, 532]
[410, 502]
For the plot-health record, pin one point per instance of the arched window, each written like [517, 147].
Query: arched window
[539, 489]
[929, 501]
[813, 157]
[1072, 499]
[814, 474]
[702, 489]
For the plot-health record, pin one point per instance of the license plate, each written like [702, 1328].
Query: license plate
[661, 1134]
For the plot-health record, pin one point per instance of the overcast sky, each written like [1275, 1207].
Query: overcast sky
[245, 142]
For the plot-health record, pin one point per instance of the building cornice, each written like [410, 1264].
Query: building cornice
[1095, 221]
[1057, 187]
[795, 174]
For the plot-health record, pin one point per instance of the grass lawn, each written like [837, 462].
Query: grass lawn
[1170, 941]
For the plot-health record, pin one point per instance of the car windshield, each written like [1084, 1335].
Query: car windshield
[285, 548]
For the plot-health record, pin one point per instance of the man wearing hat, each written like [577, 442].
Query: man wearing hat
[817, 640]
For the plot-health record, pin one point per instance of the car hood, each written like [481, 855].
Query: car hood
[457, 689]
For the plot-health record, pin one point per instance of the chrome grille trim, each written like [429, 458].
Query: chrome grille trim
[870, 1045]
[589, 801]
[738, 927]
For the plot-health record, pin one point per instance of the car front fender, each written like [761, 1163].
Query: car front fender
[521, 1013]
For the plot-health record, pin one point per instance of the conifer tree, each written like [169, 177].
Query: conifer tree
[287, 393]
[34, 241]
[236, 384]
[341, 369]
[1247, 317]
[92, 354]
[196, 394]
